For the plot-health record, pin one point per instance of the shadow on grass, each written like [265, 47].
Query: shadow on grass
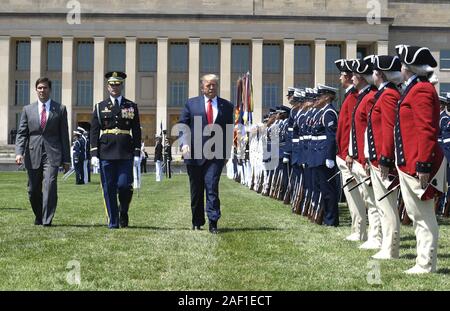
[227, 230]
[12, 209]
[408, 238]
[443, 271]
[408, 256]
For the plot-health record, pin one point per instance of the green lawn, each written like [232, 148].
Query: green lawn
[261, 245]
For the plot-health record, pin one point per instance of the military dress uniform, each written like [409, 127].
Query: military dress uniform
[444, 142]
[78, 158]
[417, 152]
[380, 137]
[354, 199]
[116, 140]
[357, 152]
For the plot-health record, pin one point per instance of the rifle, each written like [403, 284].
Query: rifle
[318, 218]
[304, 199]
[332, 177]
[446, 209]
[349, 181]
[281, 188]
[359, 184]
[389, 192]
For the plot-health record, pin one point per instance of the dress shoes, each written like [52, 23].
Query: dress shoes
[418, 270]
[213, 227]
[369, 244]
[124, 221]
[38, 222]
[194, 227]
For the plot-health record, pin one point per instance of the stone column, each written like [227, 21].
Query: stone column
[67, 78]
[194, 66]
[161, 78]
[130, 68]
[99, 69]
[5, 56]
[288, 67]
[350, 49]
[225, 68]
[320, 61]
[35, 64]
[257, 78]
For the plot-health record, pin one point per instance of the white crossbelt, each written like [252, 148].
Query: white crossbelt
[320, 137]
[447, 140]
[296, 140]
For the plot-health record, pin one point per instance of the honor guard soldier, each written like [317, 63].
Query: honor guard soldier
[116, 144]
[78, 156]
[380, 138]
[419, 159]
[444, 142]
[363, 81]
[354, 199]
[323, 159]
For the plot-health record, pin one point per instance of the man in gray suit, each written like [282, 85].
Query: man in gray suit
[43, 145]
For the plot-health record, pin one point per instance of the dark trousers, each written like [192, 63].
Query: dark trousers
[330, 194]
[117, 178]
[201, 178]
[79, 173]
[42, 191]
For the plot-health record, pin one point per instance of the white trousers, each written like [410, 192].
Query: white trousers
[159, 170]
[389, 218]
[355, 202]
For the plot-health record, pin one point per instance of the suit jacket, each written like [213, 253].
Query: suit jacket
[344, 123]
[195, 110]
[54, 137]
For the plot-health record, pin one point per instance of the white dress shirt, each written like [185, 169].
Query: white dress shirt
[118, 98]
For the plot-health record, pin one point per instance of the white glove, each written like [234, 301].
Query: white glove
[136, 160]
[329, 163]
[94, 161]
[285, 160]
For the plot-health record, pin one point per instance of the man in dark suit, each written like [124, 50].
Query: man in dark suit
[206, 145]
[116, 146]
[43, 145]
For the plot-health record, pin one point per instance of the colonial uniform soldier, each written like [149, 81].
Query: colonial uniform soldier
[380, 138]
[116, 143]
[419, 159]
[362, 79]
[78, 156]
[354, 199]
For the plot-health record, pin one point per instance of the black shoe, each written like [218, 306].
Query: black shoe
[38, 222]
[123, 221]
[213, 227]
[194, 227]
[47, 225]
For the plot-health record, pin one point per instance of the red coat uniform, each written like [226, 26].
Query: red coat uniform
[416, 134]
[360, 122]
[381, 129]
[345, 122]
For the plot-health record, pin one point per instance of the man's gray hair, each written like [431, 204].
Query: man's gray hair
[209, 77]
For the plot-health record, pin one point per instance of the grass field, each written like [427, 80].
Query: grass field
[261, 245]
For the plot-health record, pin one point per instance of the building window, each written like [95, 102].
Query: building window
[445, 59]
[361, 52]
[178, 57]
[84, 93]
[333, 53]
[178, 94]
[271, 58]
[116, 56]
[444, 88]
[209, 57]
[147, 56]
[302, 59]
[22, 92]
[85, 56]
[240, 58]
[271, 95]
[54, 56]
[56, 91]
[23, 54]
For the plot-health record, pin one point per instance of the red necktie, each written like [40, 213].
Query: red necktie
[209, 112]
[43, 117]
